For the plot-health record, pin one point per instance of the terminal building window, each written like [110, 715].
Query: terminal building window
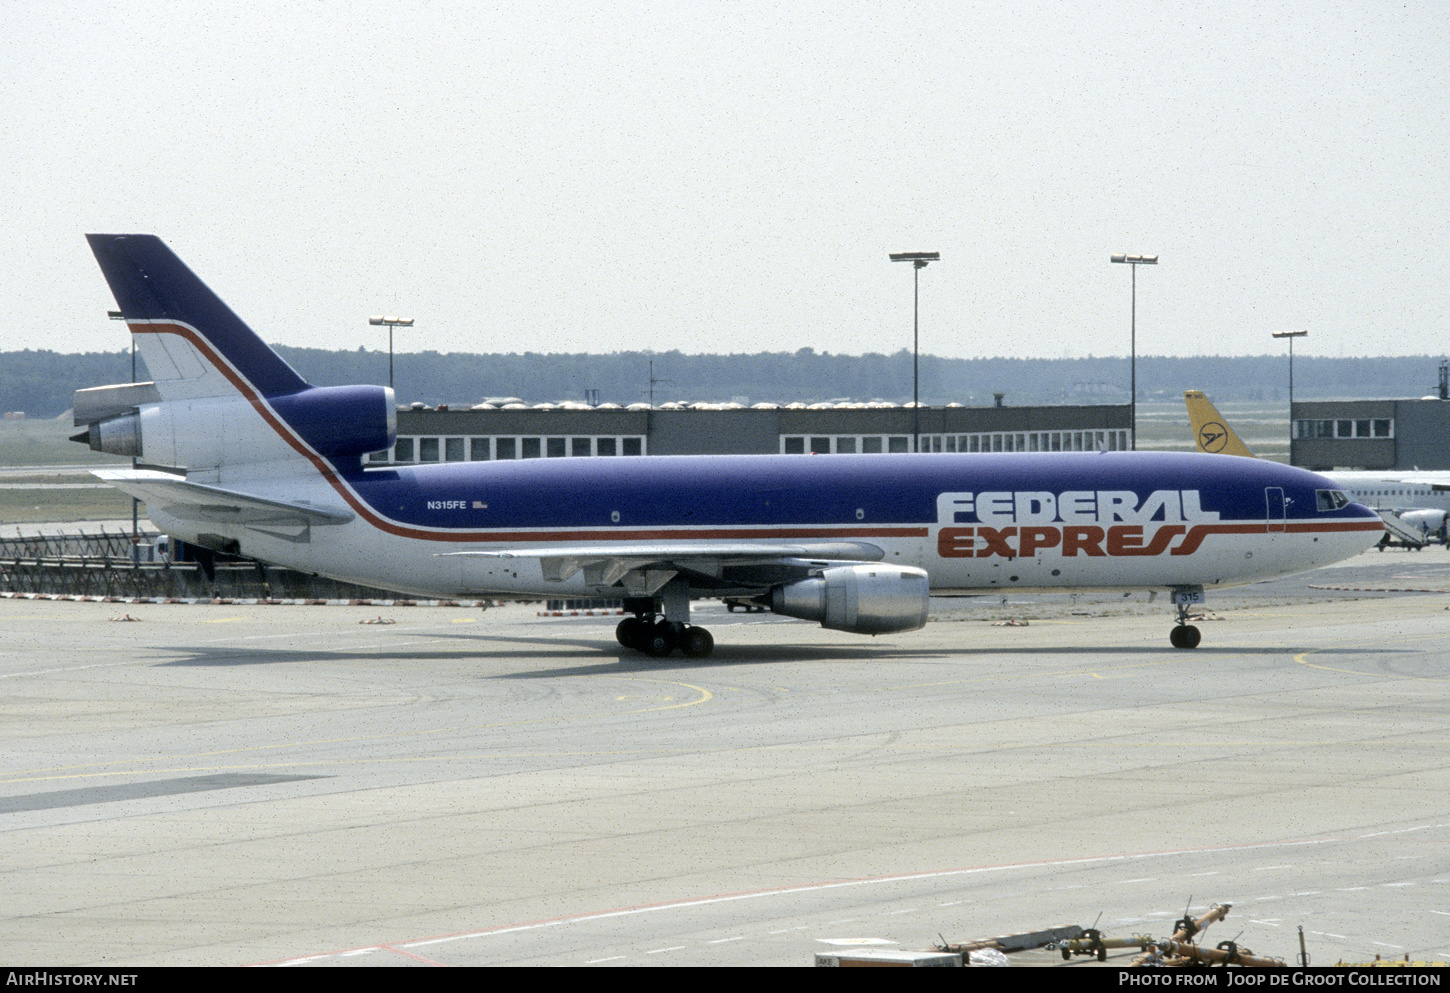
[1382, 427]
[1098, 440]
[844, 444]
[441, 449]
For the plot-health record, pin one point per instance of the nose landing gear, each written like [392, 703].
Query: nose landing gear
[1185, 635]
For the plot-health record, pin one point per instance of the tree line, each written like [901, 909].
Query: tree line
[40, 382]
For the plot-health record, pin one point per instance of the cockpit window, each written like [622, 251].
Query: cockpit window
[1332, 499]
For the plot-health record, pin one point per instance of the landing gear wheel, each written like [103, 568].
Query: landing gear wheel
[659, 640]
[1185, 636]
[630, 632]
[697, 643]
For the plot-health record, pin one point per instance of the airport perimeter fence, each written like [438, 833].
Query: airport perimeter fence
[112, 564]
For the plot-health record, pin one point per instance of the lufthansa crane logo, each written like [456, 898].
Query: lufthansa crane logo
[1212, 437]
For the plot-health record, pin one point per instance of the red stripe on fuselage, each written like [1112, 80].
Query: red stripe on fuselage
[283, 429]
[676, 534]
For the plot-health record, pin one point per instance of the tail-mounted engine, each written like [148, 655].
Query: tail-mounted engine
[865, 599]
[340, 423]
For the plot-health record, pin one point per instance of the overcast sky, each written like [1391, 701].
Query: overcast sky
[731, 177]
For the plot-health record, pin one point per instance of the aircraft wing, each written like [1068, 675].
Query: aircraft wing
[188, 501]
[646, 565]
[1436, 480]
[1359, 479]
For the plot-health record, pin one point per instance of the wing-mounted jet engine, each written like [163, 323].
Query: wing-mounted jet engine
[863, 599]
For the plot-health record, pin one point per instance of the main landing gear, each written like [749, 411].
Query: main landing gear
[1185, 635]
[659, 636]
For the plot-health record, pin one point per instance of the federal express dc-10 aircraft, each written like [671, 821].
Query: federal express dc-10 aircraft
[241, 455]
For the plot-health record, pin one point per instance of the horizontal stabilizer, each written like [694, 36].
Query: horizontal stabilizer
[213, 504]
[101, 402]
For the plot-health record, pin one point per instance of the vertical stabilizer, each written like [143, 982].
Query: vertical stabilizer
[1210, 431]
[221, 402]
[193, 345]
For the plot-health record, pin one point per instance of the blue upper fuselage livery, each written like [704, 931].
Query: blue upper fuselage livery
[242, 455]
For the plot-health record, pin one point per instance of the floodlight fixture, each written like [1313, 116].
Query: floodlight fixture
[390, 322]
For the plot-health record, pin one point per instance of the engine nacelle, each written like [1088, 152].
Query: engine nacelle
[338, 422]
[865, 599]
[120, 435]
[342, 421]
[1429, 518]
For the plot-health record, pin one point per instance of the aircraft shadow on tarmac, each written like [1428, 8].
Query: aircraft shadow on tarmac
[598, 656]
[595, 654]
[737, 655]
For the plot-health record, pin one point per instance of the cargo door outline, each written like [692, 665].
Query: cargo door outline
[1274, 508]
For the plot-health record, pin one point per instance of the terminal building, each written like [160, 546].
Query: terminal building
[1327, 434]
[507, 428]
[1371, 434]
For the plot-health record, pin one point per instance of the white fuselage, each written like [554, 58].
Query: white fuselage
[1094, 540]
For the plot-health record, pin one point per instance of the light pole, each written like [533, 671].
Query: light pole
[918, 262]
[116, 315]
[1291, 335]
[391, 322]
[1135, 261]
